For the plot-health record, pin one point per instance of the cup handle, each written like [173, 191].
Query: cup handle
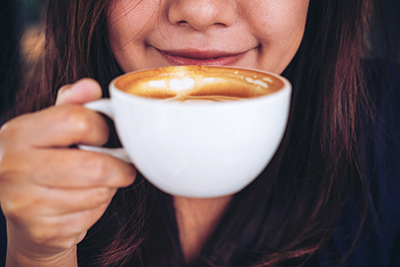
[104, 106]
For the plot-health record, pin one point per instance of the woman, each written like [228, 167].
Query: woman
[325, 199]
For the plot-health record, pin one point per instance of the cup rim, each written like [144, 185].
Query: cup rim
[286, 88]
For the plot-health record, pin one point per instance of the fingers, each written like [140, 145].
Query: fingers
[49, 202]
[54, 233]
[74, 168]
[52, 194]
[66, 168]
[79, 93]
[58, 127]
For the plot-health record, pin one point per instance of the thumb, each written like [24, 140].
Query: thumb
[81, 92]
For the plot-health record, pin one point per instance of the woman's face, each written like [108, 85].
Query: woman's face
[260, 34]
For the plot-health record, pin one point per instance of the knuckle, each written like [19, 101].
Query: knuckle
[84, 124]
[105, 171]
[101, 196]
[7, 172]
[12, 129]
[99, 167]
[13, 163]
[77, 120]
[9, 211]
[8, 131]
[127, 180]
[50, 236]
[14, 209]
[13, 168]
[65, 240]
[41, 235]
[66, 244]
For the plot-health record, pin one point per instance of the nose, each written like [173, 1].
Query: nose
[201, 14]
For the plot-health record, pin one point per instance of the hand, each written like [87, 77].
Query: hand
[52, 194]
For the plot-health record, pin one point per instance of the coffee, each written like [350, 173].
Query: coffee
[195, 83]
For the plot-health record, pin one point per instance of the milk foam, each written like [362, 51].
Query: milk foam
[158, 83]
[257, 82]
[180, 85]
[199, 84]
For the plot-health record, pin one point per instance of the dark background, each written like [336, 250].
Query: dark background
[17, 19]
[19, 33]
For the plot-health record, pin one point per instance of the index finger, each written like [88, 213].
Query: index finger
[61, 126]
[79, 93]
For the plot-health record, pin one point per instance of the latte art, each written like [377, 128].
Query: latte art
[199, 83]
[208, 98]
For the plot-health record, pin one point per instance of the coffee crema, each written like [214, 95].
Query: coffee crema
[193, 83]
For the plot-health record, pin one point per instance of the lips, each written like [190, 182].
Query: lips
[196, 57]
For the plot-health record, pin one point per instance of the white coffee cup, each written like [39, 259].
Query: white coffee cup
[197, 148]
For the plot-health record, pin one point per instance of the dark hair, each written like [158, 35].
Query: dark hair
[289, 212]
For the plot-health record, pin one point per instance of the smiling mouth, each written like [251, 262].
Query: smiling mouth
[194, 57]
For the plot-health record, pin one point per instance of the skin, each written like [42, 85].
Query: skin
[52, 194]
[267, 33]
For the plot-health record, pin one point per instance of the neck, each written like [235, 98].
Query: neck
[197, 218]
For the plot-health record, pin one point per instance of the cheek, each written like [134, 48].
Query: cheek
[279, 25]
[129, 20]
[129, 24]
[282, 20]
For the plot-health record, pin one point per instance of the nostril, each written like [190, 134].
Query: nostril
[202, 14]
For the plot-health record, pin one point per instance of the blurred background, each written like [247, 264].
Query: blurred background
[22, 38]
